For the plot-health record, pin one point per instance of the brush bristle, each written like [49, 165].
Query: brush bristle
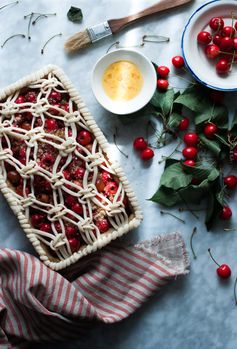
[77, 42]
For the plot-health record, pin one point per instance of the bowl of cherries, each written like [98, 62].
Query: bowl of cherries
[209, 45]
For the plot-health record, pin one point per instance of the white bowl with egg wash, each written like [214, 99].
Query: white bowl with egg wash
[123, 81]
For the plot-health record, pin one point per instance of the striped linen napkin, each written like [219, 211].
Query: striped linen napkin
[38, 304]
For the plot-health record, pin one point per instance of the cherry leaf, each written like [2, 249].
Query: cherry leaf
[166, 196]
[174, 120]
[212, 145]
[163, 101]
[174, 177]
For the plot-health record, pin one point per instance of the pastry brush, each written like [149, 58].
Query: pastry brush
[113, 26]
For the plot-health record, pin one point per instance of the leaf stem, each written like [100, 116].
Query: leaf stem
[11, 3]
[173, 215]
[54, 36]
[191, 242]
[11, 37]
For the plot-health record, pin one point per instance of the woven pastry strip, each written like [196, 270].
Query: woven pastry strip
[70, 199]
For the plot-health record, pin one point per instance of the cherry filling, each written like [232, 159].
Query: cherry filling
[45, 157]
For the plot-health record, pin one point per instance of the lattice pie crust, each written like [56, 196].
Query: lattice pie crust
[55, 173]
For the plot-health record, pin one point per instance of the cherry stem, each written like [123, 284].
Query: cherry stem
[42, 16]
[54, 36]
[29, 24]
[229, 229]
[188, 207]
[116, 145]
[164, 158]
[209, 250]
[191, 242]
[235, 284]
[11, 3]
[11, 37]
[173, 215]
[37, 13]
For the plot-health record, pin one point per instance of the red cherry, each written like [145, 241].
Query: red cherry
[70, 200]
[190, 153]
[51, 124]
[46, 227]
[79, 173]
[84, 137]
[223, 270]
[226, 44]
[210, 130]
[225, 213]
[111, 188]
[48, 159]
[77, 208]
[67, 174]
[102, 225]
[74, 244]
[212, 51]
[58, 227]
[55, 95]
[190, 163]
[217, 39]
[139, 143]
[31, 97]
[163, 71]
[20, 100]
[178, 61]
[106, 177]
[70, 231]
[37, 219]
[233, 155]
[54, 111]
[228, 31]
[216, 23]
[222, 67]
[65, 107]
[183, 125]
[147, 154]
[22, 152]
[191, 139]
[235, 43]
[162, 84]
[230, 182]
[204, 38]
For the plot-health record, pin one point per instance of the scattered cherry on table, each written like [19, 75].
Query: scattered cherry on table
[147, 154]
[223, 270]
[225, 213]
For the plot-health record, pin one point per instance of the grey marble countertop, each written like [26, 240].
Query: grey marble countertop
[197, 311]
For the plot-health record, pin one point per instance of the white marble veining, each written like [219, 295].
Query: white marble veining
[197, 311]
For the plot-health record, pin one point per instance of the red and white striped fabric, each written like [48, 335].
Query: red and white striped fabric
[38, 304]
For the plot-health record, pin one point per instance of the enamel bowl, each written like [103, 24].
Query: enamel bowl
[202, 68]
[149, 81]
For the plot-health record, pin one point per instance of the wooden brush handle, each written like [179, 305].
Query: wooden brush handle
[117, 24]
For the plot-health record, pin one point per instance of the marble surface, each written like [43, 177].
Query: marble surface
[197, 311]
